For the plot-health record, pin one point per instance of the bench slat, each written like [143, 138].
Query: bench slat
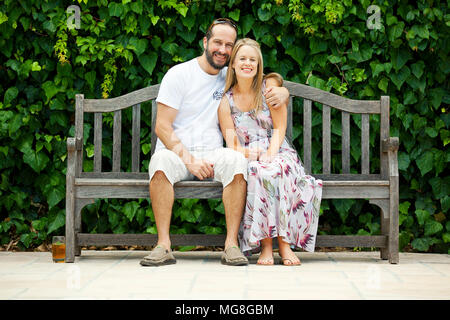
[326, 139]
[136, 139]
[98, 118]
[117, 140]
[122, 102]
[307, 104]
[345, 142]
[365, 150]
[209, 184]
[384, 134]
[140, 190]
[154, 137]
[103, 239]
[289, 121]
[79, 119]
[331, 99]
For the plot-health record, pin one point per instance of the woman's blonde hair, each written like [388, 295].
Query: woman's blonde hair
[231, 80]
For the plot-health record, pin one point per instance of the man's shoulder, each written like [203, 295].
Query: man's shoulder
[183, 66]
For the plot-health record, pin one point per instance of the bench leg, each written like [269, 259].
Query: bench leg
[393, 221]
[70, 227]
[79, 205]
[384, 218]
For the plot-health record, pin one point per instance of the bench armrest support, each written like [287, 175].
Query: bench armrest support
[390, 144]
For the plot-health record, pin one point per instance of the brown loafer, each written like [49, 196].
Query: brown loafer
[159, 256]
[233, 256]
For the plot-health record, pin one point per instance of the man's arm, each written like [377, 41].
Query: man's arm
[276, 95]
[164, 130]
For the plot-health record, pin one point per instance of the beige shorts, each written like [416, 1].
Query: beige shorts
[227, 163]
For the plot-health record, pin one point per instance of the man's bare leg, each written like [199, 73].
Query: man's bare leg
[234, 196]
[162, 196]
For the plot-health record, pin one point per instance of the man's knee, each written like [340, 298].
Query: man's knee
[159, 177]
[238, 181]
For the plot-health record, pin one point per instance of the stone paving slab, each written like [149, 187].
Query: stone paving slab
[199, 275]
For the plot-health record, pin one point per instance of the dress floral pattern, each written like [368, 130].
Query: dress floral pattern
[281, 199]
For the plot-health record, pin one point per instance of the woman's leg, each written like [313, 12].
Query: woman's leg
[288, 257]
[266, 256]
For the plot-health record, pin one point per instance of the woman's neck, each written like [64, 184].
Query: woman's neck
[243, 86]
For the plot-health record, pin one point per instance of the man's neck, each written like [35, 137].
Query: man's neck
[204, 64]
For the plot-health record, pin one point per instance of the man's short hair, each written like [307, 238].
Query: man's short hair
[227, 21]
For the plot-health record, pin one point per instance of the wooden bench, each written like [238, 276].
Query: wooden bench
[380, 189]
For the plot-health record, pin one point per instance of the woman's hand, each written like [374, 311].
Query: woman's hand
[266, 157]
[252, 154]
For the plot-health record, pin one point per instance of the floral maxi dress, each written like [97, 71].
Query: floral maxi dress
[281, 199]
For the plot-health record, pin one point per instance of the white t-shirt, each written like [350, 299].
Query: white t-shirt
[196, 95]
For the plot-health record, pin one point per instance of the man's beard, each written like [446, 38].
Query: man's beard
[210, 59]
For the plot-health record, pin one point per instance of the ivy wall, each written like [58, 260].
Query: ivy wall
[358, 49]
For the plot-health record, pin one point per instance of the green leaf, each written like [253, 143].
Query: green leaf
[398, 78]
[403, 161]
[417, 68]
[56, 194]
[37, 161]
[26, 239]
[130, 209]
[317, 45]
[396, 31]
[343, 207]
[50, 90]
[446, 237]
[264, 15]
[409, 98]
[425, 162]
[246, 24]
[115, 9]
[421, 31]
[432, 227]
[58, 222]
[399, 57]
[297, 53]
[432, 132]
[90, 78]
[10, 95]
[422, 216]
[140, 45]
[445, 203]
[148, 61]
[235, 14]
[421, 244]
[383, 84]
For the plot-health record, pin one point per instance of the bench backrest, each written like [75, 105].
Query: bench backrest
[308, 94]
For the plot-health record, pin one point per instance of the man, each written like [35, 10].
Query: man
[190, 142]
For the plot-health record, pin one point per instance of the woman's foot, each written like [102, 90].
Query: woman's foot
[266, 256]
[288, 257]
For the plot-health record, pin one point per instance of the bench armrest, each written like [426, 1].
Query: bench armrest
[390, 144]
[74, 144]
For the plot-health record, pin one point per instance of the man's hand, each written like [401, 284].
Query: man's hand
[200, 168]
[276, 96]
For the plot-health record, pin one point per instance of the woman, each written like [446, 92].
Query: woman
[282, 201]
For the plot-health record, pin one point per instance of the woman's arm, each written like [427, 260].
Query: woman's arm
[279, 119]
[228, 130]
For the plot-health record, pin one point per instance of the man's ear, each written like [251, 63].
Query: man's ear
[205, 41]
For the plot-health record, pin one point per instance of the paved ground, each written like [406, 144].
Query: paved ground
[199, 275]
